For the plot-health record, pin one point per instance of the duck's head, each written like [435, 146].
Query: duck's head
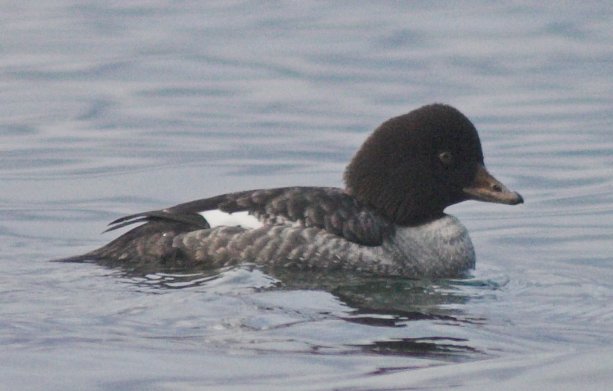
[415, 165]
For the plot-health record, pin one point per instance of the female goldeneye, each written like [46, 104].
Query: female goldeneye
[388, 220]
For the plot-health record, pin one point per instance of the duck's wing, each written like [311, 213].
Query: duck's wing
[330, 209]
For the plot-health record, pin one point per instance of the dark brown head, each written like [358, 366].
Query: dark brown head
[413, 166]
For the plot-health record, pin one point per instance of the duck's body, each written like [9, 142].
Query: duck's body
[389, 219]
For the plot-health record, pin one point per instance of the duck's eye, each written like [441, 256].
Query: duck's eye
[446, 158]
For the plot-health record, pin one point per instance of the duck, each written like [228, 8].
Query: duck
[388, 220]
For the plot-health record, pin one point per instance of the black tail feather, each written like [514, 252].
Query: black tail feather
[77, 259]
[194, 220]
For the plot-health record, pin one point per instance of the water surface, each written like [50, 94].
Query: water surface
[113, 108]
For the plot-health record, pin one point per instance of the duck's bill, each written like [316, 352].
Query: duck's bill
[489, 189]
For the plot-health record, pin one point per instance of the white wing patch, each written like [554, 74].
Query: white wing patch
[218, 218]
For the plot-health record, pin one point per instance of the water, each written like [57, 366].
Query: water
[113, 108]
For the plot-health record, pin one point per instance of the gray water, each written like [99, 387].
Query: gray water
[111, 108]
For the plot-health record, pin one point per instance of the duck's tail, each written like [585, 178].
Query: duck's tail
[77, 258]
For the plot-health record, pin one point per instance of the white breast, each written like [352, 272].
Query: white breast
[218, 218]
[439, 248]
